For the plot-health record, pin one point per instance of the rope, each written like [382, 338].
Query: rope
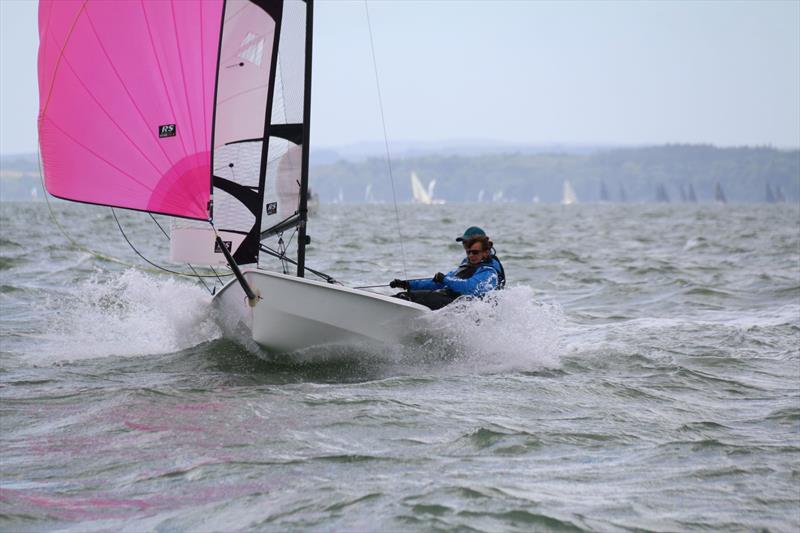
[282, 251]
[95, 253]
[386, 142]
[266, 249]
[196, 275]
[187, 264]
[72, 241]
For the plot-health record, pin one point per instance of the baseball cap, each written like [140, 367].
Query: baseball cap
[472, 231]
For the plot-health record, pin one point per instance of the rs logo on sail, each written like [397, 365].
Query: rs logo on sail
[228, 245]
[167, 130]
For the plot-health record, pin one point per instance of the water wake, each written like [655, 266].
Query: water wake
[507, 331]
[128, 314]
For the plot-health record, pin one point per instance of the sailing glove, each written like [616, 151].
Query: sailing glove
[401, 283]
[438, 278]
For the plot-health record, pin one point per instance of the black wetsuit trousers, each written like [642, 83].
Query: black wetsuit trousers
[431, 299]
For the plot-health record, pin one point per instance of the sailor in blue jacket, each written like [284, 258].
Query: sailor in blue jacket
[479, 273]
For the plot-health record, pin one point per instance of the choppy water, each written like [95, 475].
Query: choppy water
[642, 373]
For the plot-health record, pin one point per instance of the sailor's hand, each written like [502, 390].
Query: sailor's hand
[438, 278]
[401, 283]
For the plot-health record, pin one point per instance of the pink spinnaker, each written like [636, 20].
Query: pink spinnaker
[126, 102]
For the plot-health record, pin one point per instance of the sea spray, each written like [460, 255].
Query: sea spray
[508, 330]
[127, 314]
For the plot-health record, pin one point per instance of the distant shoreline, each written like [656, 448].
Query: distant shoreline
[524, 174]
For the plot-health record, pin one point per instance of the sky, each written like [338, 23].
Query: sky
[524, 72]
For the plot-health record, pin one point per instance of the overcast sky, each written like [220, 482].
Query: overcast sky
[726, 73]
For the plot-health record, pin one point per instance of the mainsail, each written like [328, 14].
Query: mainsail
[191, 108]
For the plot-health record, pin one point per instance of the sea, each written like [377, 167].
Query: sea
[641, 372]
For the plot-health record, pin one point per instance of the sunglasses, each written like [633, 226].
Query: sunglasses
[474, 252]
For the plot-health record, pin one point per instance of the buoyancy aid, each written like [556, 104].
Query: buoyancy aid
[501, 274]
[464, 272]
[467, 270]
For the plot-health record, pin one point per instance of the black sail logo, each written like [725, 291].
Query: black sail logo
[167, 130]
[218, 249]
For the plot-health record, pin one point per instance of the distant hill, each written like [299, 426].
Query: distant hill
[466, 148]
[635, 173]
[520, 174]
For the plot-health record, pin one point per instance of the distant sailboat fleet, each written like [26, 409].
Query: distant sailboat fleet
[687, 194]
[425, 194]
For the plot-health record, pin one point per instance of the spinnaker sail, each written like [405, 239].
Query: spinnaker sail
[191, 108]
[126, 102]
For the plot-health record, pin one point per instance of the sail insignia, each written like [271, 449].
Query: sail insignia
[167, 130]
[252, 49]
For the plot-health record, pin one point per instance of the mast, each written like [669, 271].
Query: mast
[303, 238]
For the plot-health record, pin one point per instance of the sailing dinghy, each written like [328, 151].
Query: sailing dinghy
[200, 110]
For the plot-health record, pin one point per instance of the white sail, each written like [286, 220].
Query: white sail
[369, 196]
[434, 200]
[421, 195]
[569, 197]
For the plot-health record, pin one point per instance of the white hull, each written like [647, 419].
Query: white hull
[295, 313]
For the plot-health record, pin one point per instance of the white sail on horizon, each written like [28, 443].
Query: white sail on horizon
[422, 195]
[569, 197]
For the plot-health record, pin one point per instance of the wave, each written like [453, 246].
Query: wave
[509, 330]
[126, 314]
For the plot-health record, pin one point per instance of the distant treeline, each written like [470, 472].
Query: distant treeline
[646, 174]
[627, 174]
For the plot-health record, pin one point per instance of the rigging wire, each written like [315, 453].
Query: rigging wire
[386, 142]
[286, 247]
[187, 264]
[154, 264]
[282, 251]
[211, 291]
[72, 241]
[95, 253]
[266, 249]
